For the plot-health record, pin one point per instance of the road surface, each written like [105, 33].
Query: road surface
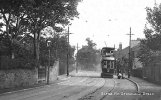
[87, 86]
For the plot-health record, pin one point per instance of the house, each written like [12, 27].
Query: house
[123, 54]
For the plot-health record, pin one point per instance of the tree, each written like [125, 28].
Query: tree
[87, 56]
[151, 46]
[12, 12]
[90, 43]
[29, 17]
[58, 50]
[153, 34]
[49, 13]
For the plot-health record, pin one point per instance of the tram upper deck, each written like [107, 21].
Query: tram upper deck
[107, 51]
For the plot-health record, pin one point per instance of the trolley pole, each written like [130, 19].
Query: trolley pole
[130, 67]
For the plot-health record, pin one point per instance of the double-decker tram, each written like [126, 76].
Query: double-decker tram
[107, 62]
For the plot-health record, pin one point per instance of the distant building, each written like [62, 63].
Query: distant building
[124, 53]
[120, 46]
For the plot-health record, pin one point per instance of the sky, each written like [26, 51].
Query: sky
[107, 22]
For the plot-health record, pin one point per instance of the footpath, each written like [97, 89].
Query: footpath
[38, 85]
[145, 86]
[60, 78]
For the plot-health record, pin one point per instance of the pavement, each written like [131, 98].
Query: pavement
[38, 85]
[60, 78]
[72, 88]
[146, 85]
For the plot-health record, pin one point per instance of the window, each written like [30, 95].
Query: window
[112, 64]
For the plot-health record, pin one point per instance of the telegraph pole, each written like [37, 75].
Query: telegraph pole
[68, 51]
[68, 54]
[77, 60]
[129, 69]
[155, 2]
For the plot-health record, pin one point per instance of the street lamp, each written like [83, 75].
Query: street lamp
[48, 73]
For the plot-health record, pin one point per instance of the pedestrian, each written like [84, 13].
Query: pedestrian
[128, 73]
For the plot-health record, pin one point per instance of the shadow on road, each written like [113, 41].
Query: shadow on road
[86, 76]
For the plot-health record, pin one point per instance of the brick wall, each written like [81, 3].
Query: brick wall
[54, 71]
[25, 77]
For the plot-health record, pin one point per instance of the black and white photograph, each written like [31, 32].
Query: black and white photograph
[80, 49]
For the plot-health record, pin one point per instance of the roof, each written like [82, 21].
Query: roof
[110, 48]
[135, 46]
[134, 43]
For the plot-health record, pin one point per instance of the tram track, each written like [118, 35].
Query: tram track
[108, 90]
[98, 83]
[114, 82]
[115, 91]
[67, 94]
[123, 93]
[90, 95]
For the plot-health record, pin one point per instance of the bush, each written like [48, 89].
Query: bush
[18, 63]
[138, 72]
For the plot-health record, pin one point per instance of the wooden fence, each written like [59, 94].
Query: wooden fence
[152, 72]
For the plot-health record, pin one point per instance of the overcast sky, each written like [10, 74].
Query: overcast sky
[109, 21]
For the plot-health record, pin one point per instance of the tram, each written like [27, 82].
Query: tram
[107, 62]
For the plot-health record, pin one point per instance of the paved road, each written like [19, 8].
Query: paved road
[114, 89]
[85, 86]
[123, 89]
[71, 89]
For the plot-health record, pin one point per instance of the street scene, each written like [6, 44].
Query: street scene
[87, 85]
[80, 50]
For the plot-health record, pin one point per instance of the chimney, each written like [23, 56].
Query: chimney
[120, 46]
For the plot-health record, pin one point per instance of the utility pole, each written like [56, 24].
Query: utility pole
[130, 67]
[68, 51]
[77, 60]
[155, 2]
[68, 54]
